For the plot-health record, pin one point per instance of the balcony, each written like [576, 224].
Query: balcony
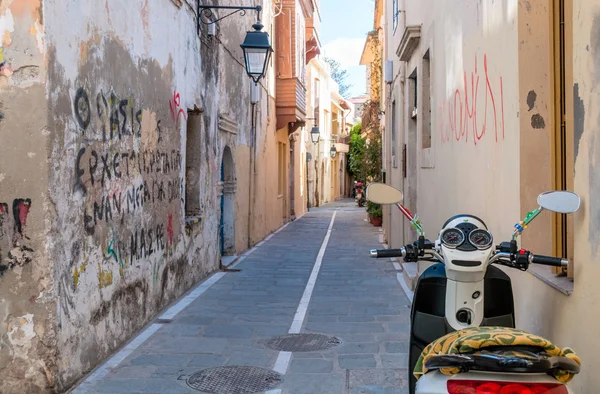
[295, 43]
[290, 101]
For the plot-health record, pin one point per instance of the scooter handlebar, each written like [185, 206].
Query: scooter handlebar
[548, 260]
[388, 253]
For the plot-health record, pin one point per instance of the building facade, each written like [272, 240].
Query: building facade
[330, 113]
[488, 105]
[134, 159]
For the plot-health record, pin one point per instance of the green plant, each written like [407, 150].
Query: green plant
[374, 210]
[355, 163]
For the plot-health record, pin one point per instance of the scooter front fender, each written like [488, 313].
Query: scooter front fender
[435, 382]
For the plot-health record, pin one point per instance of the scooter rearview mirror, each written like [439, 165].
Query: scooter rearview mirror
[383, 194]
[559, 201]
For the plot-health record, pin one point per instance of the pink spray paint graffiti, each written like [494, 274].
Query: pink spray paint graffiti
[458, 114]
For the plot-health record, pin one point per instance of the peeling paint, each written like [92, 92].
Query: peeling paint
[20, 335]
[7, 26]
[37, 30]
[537, 122]
[531, 97]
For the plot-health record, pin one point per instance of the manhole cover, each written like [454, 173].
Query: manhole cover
[303, 342]
[234, 380]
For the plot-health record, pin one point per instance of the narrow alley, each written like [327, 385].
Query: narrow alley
[304, 279]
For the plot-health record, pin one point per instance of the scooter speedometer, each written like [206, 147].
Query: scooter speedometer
[452, 237]
[481, 239]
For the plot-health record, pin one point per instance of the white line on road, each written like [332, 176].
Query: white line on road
[409, 294]
[283, 360]
[303, 307]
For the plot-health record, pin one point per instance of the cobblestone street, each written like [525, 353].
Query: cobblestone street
[303, 279]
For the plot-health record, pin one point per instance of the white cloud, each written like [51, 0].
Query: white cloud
[346, 51]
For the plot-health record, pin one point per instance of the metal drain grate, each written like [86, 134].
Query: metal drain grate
[303, 342]
[234, 380]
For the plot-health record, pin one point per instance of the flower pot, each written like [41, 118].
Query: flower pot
[376, 221]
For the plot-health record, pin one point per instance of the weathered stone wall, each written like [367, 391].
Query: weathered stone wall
[122, 77]
[96, 108]
[26, 304]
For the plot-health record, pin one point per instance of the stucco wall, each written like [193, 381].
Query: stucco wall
[491, 144]
[475, 109]
[26, 305]
[571, 320]
[475, 114]
[122, 78]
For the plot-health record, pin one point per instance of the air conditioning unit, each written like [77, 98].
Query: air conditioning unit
[389, 71]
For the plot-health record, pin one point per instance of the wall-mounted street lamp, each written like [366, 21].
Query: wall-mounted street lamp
[257, 46]
[315, 134]
[333, 151]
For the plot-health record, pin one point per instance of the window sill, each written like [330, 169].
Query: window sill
[560, 283]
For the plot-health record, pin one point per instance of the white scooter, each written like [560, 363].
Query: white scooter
[464, 290]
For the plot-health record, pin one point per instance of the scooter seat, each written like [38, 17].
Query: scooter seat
[499, 349]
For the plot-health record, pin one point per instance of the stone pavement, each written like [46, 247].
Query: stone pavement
[354, 298]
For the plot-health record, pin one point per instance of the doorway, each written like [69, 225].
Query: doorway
[227, 220]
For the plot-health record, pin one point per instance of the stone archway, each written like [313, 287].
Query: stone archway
[227, 221]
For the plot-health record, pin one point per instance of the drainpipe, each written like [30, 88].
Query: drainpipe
[251, 174]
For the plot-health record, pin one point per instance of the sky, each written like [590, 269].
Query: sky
[344, 28]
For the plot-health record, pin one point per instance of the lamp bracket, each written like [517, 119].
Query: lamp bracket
[205, 12]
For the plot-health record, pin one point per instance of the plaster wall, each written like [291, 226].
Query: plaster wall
[494, 59]
[121, 80]
[27, 308]
[475, 107]
[569, 320]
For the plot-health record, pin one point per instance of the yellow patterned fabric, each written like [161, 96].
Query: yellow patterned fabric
[472, 340]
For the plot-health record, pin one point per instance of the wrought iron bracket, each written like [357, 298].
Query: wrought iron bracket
[206, 11]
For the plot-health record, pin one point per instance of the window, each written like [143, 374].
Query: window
[317, 100]
[193, 164]
[393, 132]
[281, 168]
[300, 45]
[412, 106]
[395, 13]
[426, 129]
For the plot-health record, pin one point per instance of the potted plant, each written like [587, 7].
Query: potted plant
[375, 213]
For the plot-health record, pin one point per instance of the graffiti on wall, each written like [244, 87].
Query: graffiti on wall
[175, 107]
[14, 248]
[476, 109]
[129, 177]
